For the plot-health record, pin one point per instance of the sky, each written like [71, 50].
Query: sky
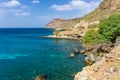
[37, 13]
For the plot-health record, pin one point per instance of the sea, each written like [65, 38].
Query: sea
[25, 54]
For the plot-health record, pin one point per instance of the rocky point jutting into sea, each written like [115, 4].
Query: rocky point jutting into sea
[102, 66]
[77, 27]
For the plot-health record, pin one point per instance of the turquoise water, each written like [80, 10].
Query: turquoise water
[24, 55]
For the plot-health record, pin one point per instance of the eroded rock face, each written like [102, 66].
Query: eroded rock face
[98, 49]
[111, 3]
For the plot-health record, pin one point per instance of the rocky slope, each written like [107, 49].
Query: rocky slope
[62, 23]
[106, 8]
[106, 69]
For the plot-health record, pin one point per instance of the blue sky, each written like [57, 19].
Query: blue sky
[37, 13]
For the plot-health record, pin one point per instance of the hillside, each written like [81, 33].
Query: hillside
[62, 23]
[106, 8]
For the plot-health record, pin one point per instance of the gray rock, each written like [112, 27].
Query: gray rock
[117, 41]
[91, 58]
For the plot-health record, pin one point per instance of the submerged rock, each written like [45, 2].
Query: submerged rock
[72, 55]
[41, 77]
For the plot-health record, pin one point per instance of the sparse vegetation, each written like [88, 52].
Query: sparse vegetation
[110, 27]
[56, 32]
[109, 30]
[93, 37]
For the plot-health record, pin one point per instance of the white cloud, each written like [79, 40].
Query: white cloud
[12, 3]
[22, 14]
[62, 7]
[25, 7]
[13, 7]
[76, 5]
[35, 1]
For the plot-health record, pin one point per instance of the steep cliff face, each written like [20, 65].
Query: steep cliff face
[62, 23]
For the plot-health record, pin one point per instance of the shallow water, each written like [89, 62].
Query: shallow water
[24, 55]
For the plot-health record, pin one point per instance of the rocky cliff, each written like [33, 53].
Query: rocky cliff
[106, 8]
[62, 23]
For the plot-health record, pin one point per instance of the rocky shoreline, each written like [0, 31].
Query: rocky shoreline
[60, 37]
[108, 68]
[103, 61]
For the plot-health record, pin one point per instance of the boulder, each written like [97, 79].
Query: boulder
[72, 55]
[91, 58]
[82, 51]
[76, 51]
[41, 77]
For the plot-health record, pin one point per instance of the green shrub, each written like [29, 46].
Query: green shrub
[93, 37]
[110, 27]
[56, 32]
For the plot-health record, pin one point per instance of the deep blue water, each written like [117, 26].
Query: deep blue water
[24, 55]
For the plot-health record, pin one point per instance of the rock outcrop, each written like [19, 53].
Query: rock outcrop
[106, 69]
[62, 23]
